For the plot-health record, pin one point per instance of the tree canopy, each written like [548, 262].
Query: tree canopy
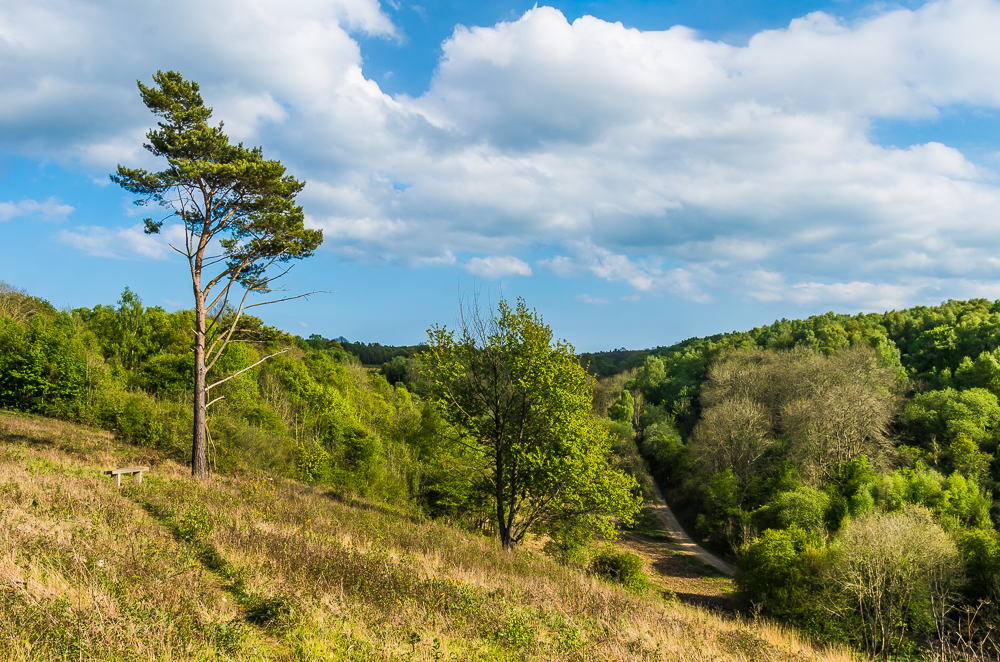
[523, 402]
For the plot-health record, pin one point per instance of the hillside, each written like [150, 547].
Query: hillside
[783, 450]
[256, 567]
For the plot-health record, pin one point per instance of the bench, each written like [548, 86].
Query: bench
[135, 471]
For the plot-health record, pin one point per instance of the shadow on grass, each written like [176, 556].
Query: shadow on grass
[352, 501]
[258, 610]
[86, 443]
[718, 603]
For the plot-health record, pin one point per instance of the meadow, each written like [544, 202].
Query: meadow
[247, 566]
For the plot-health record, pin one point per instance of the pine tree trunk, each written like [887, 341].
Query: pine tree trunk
[199, 465]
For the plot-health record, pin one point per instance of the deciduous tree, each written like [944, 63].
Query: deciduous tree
[897, 569]
[523, 402]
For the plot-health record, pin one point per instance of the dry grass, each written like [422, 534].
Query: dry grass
[246, 567]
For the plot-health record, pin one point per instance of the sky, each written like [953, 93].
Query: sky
[640, 171]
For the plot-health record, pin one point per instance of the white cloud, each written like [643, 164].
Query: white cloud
[658, 160]
[497, 266]
[596, 301]
[125, 243]
[562, 266]
[769, 286]
[68, 93]
[49, 210]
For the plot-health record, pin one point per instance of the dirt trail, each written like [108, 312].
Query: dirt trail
[681, 542]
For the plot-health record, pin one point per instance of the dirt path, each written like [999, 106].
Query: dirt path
[681, 542]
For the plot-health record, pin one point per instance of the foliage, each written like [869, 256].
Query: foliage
[808, 427]
[623, 568]
[569, 539]
[523, 401]
[43, 364]
[828, 409]
[781, 574]
[622, 408]
[900, 572]
[804, 507]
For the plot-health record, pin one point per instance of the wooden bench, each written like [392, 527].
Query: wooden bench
[135, 471]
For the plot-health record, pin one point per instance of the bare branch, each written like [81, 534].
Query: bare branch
[240, 372]
[297, 296]
[229, 334]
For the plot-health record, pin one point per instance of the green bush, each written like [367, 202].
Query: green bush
[803, 507]
[43, 367]
[568, 541]
[781, 574]
[622, 408]
[168, 373]
[623, 568]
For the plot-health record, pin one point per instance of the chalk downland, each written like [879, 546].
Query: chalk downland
[251, 567]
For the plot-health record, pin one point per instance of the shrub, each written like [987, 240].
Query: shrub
[781, 573]
[803, 507]
[623, 568]
[568, 541]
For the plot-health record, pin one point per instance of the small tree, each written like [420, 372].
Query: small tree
[523, 402]
[239, 216]
[896, 569]
[623, 408]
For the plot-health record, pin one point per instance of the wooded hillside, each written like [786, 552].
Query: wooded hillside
[848, 462]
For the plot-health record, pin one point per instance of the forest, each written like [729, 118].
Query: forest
[848, 462]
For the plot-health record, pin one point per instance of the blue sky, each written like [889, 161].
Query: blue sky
[640, 172]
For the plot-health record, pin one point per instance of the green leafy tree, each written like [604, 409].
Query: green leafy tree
[523, 402]
[803, 507]
[967, 459]
[984, 372]
[130, 334]
[781, 574]
[239, 217]
[939, 417]
[650, 377]
[623, 408]
[43, 367]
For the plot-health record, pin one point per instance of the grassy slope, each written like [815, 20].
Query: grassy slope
[245, 567]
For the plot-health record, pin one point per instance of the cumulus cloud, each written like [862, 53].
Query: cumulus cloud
[659, 160]
[49, 210]
[68, 92]
[497, 266]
